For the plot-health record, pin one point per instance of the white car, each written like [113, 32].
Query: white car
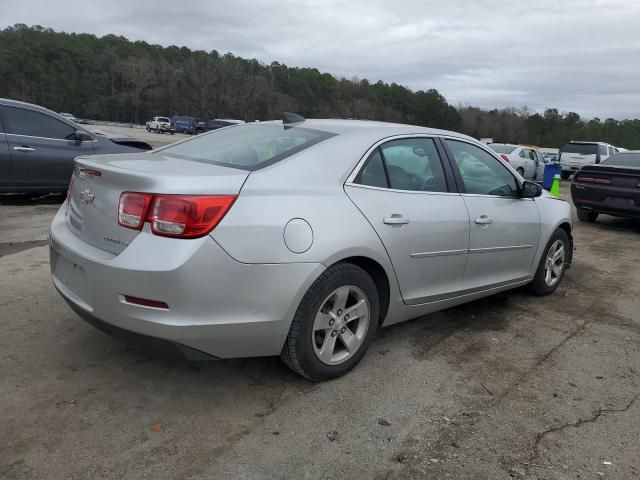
[160, 125]
[574, 155]
[529, 163]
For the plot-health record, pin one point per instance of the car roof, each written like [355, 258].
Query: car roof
[346, 126]
[507, 144]
[588, 143]
[16, 103]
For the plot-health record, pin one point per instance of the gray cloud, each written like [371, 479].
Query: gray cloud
[575, 55]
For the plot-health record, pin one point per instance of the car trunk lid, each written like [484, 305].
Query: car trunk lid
[98, 182]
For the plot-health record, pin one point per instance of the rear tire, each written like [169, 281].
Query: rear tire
[520, 170]
[565, 175]
[585, 215]
[553, 264]
[316, 346]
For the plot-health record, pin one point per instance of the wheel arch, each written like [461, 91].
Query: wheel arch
[566, 226]
[379, 276]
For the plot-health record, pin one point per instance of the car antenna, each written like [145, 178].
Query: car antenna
[288, 118]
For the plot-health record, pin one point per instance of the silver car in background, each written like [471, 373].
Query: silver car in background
[299, 238]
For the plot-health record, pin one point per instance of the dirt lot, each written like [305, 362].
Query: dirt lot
[511, 386]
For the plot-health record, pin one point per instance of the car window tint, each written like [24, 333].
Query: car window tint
[373, 172]
[481, 173]
[602, 149]
[414, 164]
[20, 121]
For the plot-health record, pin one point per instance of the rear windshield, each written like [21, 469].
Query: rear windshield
[623, 160]
[581, 148]
[499, 148]
[248, 147]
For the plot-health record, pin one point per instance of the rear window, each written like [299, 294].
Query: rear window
[498, 148]
[581, 148]
[623, 160]
[248, 147]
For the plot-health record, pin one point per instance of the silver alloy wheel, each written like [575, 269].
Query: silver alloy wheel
[340, 325]
[554, 263]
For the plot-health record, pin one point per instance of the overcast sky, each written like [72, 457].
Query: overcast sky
[577, 55]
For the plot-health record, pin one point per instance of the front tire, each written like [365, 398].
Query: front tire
[335, 322]
[586, 215]
[565, 175]
[520, 170]
[553, 264]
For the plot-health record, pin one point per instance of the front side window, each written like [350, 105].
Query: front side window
[21, 121]
[481, 173]
[248, 147]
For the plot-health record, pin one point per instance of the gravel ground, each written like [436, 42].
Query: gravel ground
[154, 139]
[511, 386]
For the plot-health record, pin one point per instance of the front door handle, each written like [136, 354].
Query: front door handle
[24, 148]
[483, 220]
[395, 219]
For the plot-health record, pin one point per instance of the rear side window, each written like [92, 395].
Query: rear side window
[602, 149]
[580, 148]
[248, 147]
[21, 121]
[411, 164]
[481, 173]
[498, 148]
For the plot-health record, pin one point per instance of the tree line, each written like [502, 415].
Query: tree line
[112, 78]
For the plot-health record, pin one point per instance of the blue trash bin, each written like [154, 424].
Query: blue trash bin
[550, 171]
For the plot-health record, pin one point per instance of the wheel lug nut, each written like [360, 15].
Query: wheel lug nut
[343, 329]
[339, 312]
[331, 322]
[346, 317]
[334, 333]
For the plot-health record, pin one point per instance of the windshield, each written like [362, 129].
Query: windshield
[248, 147]
[581, 148]
[163, 119]
[623, 160]
[500, 148]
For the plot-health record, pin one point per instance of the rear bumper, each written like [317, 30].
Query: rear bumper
[620, 202]
[217, 305]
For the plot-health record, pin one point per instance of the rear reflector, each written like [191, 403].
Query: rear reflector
[179, 216]
[145, 302]
[505, 158]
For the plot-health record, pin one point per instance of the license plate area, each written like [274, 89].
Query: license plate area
[71, 278]
[619, 202]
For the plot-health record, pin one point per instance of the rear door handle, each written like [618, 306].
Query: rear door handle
[483, 220]
[24, 148]
[395, 219]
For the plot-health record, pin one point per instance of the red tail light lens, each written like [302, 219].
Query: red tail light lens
[603, 181]
[132, 209]
[179, 216]
[505, 158]
[188, 216]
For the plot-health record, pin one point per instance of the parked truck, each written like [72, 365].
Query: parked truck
[160, 125]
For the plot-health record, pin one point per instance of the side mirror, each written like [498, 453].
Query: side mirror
[80, 136]
[530, 190]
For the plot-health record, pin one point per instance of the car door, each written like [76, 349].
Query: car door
[408, 195]
[504, 228]
[5, 160]
[42, 148]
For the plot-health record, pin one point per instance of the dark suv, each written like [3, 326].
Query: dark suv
[190, 125]
[37, 147]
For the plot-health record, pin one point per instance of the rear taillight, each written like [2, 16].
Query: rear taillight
[70, 189]
[179, 216]
[603, 181]
[133, 208]
[505, 158]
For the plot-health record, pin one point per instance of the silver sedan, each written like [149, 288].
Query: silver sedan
[299, 238]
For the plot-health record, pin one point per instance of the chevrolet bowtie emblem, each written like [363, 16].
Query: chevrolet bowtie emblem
[86, 197]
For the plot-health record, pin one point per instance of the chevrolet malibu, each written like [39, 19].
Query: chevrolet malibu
[299, 238]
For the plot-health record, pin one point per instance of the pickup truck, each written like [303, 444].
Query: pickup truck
[160, 125]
